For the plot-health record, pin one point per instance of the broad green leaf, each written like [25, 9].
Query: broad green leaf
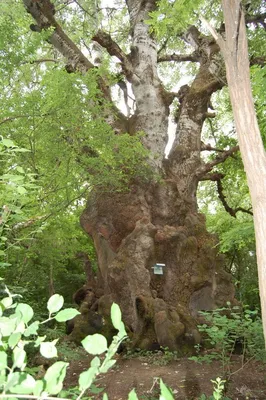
[55, 376]
[7, 326]
[20, 170]
[87, 377]
[122, 331]
[21, 190]
[95, 344]
[165, 392]
[25, 385]
[12, 380]
[39, 340]
[95, 362]
[19, 358]
[55, 303]
[66, 314]
[8, 143]
[132, 395]
[6, 302]
[3, 360]
[116, 315]
[95, 390]
[107, 365]
[48, 349]
[32, 329]
[26, 311]
[14, 339]
[20, 328]
[39, 385]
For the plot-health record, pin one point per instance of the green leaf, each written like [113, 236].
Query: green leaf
[8, 143]
[26, 312]
[116, 315]
[6, 302]
[21, 190]
[26, 384]
[55, 376]
[105, 397]
[48, 349]
[32, 329]
[3, 360]
[55, 303]
[20, 170]
[12, 380]
[95, 390]
[87, 377]
[95, 362]
[19, 358]
[14, 339]
[66, 314]
[39, 386]
[165, 392]
[95, 344]
[132, 395]
[107, 365]
[7, 325]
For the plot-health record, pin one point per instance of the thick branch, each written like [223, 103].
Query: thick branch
[208, 147]
[43, 13]
[217, 177]
[203, 170]
[257, 19]
[193, 57]
[227, 208]
[105, 40]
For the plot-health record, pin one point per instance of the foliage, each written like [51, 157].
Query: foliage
[231, 329]
[16, 332]
[218, 391]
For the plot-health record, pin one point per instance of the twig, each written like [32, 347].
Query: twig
[242, 366]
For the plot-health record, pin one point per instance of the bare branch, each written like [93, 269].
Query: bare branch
[105, 40]
[193, 57]
[257, 19]
[217, 177]
[258, 61]
[227, 208]
[208, 147]
[12, 118]
[203, 170]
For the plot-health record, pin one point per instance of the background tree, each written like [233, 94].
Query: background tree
[142, 207]
[235, 52]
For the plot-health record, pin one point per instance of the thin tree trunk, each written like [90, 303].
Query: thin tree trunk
[235, 51]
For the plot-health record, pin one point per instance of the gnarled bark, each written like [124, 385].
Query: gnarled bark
[155, 222]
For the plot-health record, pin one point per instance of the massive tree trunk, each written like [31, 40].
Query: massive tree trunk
[155, 222]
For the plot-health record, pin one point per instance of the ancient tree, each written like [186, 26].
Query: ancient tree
[153, 220]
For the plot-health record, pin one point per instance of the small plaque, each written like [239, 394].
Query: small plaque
[158, 269]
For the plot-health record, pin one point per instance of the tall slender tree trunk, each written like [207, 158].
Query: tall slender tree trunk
[235, 51]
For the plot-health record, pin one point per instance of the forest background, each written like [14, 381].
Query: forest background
[46, 180]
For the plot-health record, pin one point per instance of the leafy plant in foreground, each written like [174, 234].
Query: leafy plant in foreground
[228, 330]
[17, 331]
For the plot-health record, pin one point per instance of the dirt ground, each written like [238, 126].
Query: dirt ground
[187, 379]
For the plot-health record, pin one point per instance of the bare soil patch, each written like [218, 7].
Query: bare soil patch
[187, 379]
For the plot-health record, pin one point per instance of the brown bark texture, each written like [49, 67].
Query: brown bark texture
[235, 52]
[157, 221]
